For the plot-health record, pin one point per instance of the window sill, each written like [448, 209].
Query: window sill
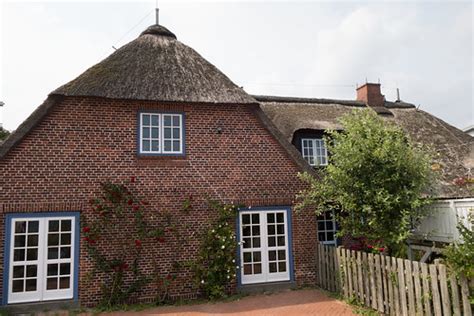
[158, 160]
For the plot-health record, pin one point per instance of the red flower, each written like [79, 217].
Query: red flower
[370, 246]
[132, 179]
[169, 277]
[130, 202]
[136, 207]
[161, 239]
[138, 243]
[381, 249]
[86, 229]
[124, 266]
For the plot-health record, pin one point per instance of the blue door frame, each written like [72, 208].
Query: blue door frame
[6, 248]
[290, 237]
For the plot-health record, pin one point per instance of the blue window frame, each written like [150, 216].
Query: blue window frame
[41, 257]
[161, 134]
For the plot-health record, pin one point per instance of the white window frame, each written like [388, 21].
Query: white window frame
[161, 134]
[41, 293]
[319, 151]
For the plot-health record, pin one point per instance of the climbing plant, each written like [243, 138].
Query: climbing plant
[215, 268]
[114, 237]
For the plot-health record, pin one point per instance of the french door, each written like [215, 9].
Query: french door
[264, 250]
[41, 262]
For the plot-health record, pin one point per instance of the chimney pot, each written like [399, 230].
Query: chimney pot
[370, 94]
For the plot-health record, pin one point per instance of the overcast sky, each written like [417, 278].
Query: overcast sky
[308, 49]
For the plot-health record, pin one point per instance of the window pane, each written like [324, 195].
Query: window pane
[145, 119]
[30, 285]
[20, 227]
[65, 252]
[176, 145]
[18, 286]
[329, 225]
[175, 132]
[53, 239]
[281, 241]
[247, 269]
[273, 267]
[271, 218]
[32, 254]
[321, 237]
[257, 256]
[247, 257]
[256, 230]
[65, 239]
[53, 253]
[167, 145]
[166, 120]
[52, 284]
[256, 242]
[280, 218]
[20, 241]
[65, 268]
[154, 132]
[272, 255]
[146, 132]
[281, 254]
[146, 145]
[255, 219]
[247, 243]
[53, 226]
[246, 219]
[246, 231]
[33, 226]
[176, 120]
[282, 266]
[271, 229]
[19, 255]
[31, 271]
[281, 229]
[167, 132]
[64, 283]
[66, 225]
[155, 145]
[155, 120]
[257, 268]
[18, 272]
[52, 269]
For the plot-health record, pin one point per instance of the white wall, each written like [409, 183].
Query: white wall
[441, 224]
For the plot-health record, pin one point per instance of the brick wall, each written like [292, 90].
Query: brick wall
[83, 141]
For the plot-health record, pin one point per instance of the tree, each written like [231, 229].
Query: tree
[376, 181]
[3, 133]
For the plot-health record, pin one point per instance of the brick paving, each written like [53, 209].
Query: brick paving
[287, 303]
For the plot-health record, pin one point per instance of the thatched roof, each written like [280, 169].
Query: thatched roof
[455, 148]
[157, 67]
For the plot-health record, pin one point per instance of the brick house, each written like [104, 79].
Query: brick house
[155, 110]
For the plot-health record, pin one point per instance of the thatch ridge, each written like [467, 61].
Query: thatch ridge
[157, 67]
[285, 99]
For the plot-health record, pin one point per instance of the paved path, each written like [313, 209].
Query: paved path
[288, 303]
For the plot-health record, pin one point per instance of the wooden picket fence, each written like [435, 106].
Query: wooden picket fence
[392, 286]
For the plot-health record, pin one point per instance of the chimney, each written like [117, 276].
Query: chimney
[370, 94]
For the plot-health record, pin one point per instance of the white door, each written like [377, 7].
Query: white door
[264, 250]
[41, 259]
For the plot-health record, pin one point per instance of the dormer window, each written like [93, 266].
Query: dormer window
[161, 134]
[314, 151]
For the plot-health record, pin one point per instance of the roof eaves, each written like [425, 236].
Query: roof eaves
[25, 127]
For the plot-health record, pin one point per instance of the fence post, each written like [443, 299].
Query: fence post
[410, 288]
[418, 296]
[426, 288]
[435, 290]
[444, 290]
[465, 296]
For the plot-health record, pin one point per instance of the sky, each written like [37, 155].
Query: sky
[319, 49]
